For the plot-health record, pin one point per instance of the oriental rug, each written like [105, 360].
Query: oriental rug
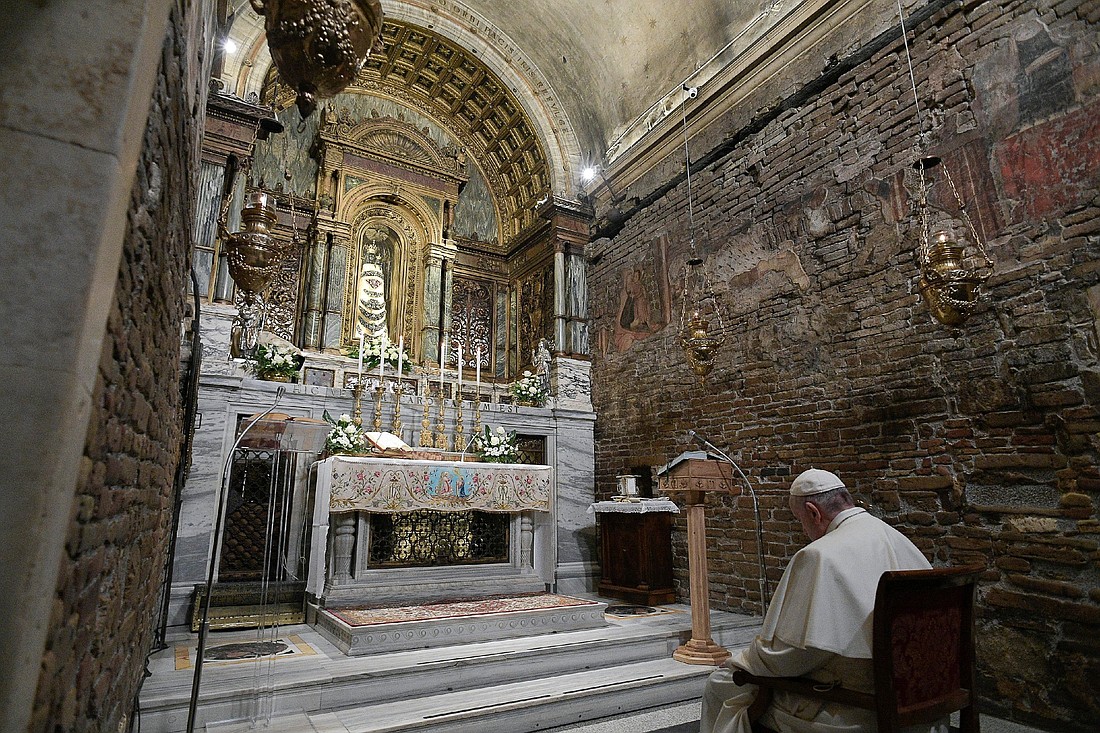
[456, 609]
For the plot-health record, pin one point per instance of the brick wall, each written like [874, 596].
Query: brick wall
[980, 443]
[106, 608]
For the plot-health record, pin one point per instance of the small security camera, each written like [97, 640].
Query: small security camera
[693, 92]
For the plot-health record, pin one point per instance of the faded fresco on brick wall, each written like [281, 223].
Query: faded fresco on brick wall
[1033, 93]
[644, 303]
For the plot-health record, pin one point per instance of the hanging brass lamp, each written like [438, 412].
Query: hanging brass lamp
[699, 344]
[254, 257]
[319, 46]
[952, 270]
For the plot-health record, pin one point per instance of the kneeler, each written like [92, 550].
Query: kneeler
[922, 654]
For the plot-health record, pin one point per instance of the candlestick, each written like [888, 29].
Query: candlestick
[379, 395]
[460, 438]
[477, 370]
[426, 419]
[458, 387]
[396, 429]
[382, 361]
[360, 357]
[440, 435]
[442, 363]
[400, 357]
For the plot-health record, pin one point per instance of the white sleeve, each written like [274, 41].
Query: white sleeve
[778, 659]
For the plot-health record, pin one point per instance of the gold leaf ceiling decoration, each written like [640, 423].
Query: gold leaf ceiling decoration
[459, 92]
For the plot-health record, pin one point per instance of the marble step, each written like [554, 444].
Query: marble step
[530, 705]
[449, 631]
[326, 682]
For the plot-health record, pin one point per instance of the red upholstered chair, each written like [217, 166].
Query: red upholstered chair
[923, 653]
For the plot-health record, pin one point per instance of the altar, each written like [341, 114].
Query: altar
[350, 489]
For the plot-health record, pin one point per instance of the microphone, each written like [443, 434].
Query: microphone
[462, 455]
[765, 591]
[708, 445]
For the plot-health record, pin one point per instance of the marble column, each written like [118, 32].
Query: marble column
[433, 288]
[560, 319]
[316, 267]
[333, 325]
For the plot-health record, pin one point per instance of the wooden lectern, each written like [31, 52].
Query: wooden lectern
[690, 476]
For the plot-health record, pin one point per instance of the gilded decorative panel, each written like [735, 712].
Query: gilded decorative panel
[472, 320]
[536, 311]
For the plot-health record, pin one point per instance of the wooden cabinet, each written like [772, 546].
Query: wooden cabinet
[636, 557]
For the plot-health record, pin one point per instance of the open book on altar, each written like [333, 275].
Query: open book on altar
[387, 443]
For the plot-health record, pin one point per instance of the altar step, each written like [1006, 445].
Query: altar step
[532, 705]
[533, 615]
[515, 685]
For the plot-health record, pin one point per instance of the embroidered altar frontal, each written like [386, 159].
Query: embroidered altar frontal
[392, 485]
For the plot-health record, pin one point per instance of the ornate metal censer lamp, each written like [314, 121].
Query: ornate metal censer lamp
[254, 257]
[319, 46]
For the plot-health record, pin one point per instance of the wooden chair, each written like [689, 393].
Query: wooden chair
[922, 653]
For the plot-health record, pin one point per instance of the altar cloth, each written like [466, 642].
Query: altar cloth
[389, 485]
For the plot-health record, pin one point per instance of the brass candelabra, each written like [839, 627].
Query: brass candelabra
[396, 428]
[379, 395]
[441, 440]
[459, 432]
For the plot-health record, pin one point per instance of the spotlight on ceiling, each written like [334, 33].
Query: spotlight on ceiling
[589, 174]
[229, 45]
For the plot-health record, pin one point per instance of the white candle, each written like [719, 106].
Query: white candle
[400, 357]
[442, 361]
[477, 371]
[360, 358]
[382, 360]
[458, 388]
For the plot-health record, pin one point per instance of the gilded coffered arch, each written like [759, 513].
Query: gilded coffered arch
[510, 125]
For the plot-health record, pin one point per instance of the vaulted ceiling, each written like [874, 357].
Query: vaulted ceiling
[588, 76]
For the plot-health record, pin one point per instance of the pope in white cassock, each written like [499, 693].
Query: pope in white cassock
[819, 622]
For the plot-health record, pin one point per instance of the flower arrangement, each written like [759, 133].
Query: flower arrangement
[529, 390]
[346, 437]
[275, 363]
[497, 446]
[373, 351]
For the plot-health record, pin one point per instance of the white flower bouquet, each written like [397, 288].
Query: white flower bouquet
[374, 351]
[529, 390]
[497, 446]
[346, 436]
[275, 363]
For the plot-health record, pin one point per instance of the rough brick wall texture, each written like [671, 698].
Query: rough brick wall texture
[980, 443]
[106, 608]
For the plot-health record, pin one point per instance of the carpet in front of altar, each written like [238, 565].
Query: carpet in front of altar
[456, 609]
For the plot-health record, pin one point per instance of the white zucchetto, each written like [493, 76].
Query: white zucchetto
[815, 481]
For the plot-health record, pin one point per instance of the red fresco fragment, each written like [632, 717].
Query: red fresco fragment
[1055, 165]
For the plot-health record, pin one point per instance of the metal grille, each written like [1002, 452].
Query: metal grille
[532, 449]
[249, 543]
[427, 538]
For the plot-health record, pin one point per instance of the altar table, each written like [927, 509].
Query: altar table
[395, 485]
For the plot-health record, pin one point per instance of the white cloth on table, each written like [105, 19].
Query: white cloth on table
[634, 507]
[818, 626]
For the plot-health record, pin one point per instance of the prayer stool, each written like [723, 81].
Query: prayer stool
[922, 653]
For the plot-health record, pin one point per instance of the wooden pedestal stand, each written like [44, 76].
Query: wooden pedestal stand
[691, 478]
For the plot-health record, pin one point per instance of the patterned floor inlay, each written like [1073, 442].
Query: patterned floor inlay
[456, 609]
[626, 612]
[243, 651]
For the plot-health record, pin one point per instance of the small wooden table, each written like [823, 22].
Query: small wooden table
[636, 551]
[690, 478]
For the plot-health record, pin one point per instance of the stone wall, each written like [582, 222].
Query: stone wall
[106, 609]
[980, 442]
